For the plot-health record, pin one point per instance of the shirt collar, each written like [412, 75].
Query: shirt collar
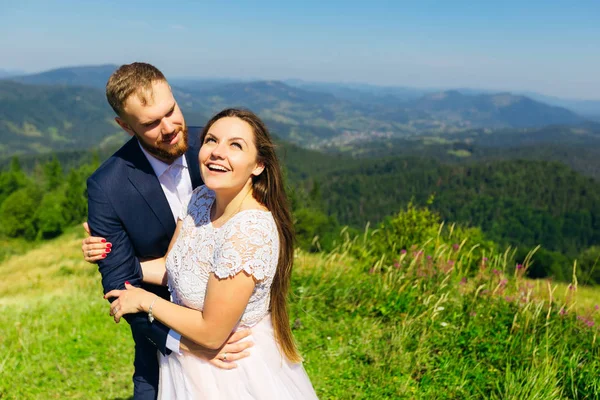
[159, 166]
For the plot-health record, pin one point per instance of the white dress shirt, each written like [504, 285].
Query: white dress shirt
[176, 184]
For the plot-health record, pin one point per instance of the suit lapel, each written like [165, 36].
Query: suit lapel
[142, 177]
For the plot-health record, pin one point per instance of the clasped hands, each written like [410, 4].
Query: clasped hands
[133, 300]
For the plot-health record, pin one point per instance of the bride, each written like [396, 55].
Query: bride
[228, 267]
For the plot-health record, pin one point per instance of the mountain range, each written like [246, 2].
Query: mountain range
[66, 109]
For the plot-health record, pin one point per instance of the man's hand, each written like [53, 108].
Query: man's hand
[224, 357]
[94, 248]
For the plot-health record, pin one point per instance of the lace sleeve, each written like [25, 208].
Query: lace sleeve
[250, 243]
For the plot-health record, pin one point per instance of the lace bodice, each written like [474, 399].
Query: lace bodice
[247, 242]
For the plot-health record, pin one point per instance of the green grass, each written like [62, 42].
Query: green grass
[417, 329]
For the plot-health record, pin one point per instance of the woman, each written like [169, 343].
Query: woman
[228, 267]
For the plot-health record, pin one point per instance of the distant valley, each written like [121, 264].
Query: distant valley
[65, 109]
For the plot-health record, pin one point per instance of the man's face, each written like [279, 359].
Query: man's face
[158, 124]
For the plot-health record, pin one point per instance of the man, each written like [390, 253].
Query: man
[134, 199]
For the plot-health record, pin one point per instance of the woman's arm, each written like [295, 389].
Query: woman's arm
[224, 304]
[228, 290]
[154, 271]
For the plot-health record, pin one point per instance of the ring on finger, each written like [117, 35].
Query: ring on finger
[89, 253]
[224, 356]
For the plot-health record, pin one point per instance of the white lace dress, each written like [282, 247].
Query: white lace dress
[247, 242]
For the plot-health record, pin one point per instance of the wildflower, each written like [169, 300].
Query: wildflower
[503, 282]
[397, 264]
[519, 266]
[496, 272]
[372, 271]
[571, 287]
[444, 324]
[597, 307]
[485, 259]
[439, 309]
[403, 251]
[508, 299]
[562, 311]
[328, 337]
[463, 281]
[590, 323]
[456, 246]
[451, 262]
[473, 314]
[429, 257]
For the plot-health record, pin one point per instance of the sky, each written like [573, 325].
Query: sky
[549, 47]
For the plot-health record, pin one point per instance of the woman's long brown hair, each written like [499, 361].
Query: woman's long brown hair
[268, 189]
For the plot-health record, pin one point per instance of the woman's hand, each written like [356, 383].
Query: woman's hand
[129, 301]
[94, 248]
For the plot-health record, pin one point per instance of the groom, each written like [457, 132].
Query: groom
[134, 199]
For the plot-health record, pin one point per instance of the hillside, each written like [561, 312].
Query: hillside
[40, 118]
[493, 110]
[523, 203]
[94, 76]
[419, 327]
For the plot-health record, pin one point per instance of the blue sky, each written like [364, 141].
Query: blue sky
[551, 47]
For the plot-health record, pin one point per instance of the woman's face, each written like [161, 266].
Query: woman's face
[228, 155]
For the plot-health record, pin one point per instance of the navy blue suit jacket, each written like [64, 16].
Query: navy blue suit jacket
[126, 205]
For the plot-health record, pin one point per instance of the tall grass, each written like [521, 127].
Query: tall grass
[440, 320]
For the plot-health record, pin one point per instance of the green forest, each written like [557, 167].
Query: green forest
[516, 203]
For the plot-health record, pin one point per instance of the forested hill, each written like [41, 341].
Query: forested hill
[523, 203]
[91, 76]
[39, 118]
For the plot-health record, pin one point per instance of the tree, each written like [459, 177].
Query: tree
[49, 217]
[17, 213]
[75, 201]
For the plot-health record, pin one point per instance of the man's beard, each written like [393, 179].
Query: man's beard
[172, 153]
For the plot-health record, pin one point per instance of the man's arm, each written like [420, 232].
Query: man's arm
[122, 265]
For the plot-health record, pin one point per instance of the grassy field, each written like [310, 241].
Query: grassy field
[414, 330]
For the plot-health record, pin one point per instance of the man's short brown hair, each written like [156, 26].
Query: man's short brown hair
[129, 79]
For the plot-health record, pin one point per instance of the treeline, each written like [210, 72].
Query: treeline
[517, 203]
[42, 204]
[514, 203]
